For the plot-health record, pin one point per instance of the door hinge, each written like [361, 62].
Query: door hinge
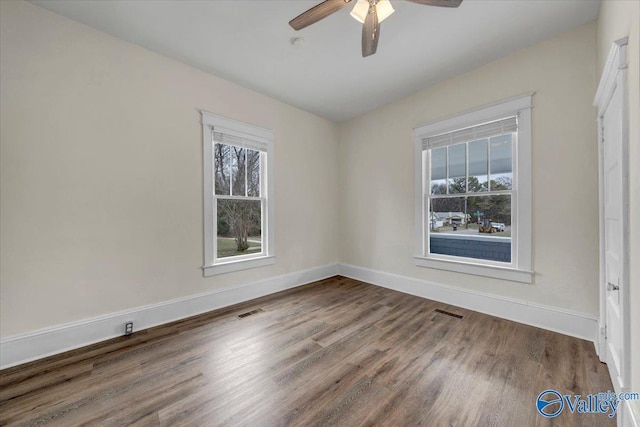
[603, 331]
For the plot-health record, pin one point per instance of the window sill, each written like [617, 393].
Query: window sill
[504, 273]
[244, 264]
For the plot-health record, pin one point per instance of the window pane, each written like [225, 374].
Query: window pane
[478, 165]
[501, 162]
[471, 227]
[457, 168]
[221, 168]
[496, 209]
[439, 171]
[447, 213]
[239, 227]
[253, 173]
[238, 157]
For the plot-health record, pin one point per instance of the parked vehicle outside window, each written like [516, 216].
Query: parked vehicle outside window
[498, 226]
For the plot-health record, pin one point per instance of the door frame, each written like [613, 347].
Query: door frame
[614, 76]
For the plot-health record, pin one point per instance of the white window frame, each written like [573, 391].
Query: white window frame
[520, 268]
[262, 138]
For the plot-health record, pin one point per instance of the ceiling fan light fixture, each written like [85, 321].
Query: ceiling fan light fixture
[383, 9]
[369, 12]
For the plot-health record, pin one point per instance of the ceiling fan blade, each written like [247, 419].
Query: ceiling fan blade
[317, 13]
[370, 32]
[441, 3]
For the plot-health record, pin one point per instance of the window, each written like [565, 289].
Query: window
[238, 185]
[473, 192]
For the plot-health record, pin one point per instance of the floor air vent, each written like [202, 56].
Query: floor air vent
[249, 313]
[448, 313]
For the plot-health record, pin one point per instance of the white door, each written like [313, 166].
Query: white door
[613, 186]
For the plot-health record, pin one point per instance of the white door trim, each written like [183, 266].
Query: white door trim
[614, 76]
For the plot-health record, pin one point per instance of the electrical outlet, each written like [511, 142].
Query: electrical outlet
[128, 328]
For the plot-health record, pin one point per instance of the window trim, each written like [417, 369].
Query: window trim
[521, 269]
[213, 265]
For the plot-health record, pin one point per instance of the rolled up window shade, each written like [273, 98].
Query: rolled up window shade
[486, 130]
[228, 139]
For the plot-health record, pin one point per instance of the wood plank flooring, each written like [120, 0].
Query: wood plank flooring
[336, 352]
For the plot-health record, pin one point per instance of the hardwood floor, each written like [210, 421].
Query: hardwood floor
[336, 352]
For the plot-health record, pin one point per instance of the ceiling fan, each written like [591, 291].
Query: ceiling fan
[369, 12]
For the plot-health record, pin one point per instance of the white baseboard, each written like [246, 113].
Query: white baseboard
[630, 415]
[23, 348]
[566, 322]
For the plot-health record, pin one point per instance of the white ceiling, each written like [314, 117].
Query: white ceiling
[248, 42]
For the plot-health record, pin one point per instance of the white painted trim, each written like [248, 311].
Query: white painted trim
[212, 265]
[521, 267]
[607, 82]
[419, 236]
[208, 190]
[566, 322]
[237, 127]
[477, 269]
[613, 76]
[27, 347]
[630, 415]
[601, 343]
[18, 349]
[237, 265]
[523, 253]
[476, 116]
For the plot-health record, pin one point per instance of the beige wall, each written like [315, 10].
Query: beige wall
[377, 173]
[622, 19]
[101, 174]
